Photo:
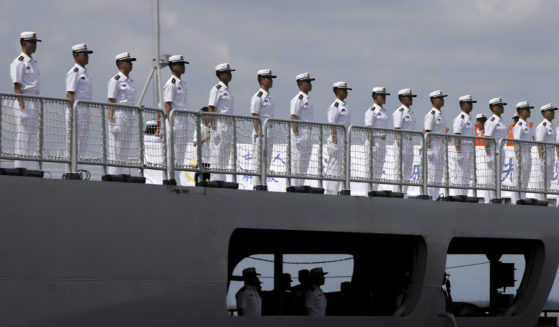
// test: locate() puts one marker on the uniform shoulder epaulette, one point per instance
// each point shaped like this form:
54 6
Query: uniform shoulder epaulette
372 108
76 69
20 58
432 112
117 77
218 86
173 81
462 116
300 97
492 119
336 104
519 123
402 109
259 94
544 123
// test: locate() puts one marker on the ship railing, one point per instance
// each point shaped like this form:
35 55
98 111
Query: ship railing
35 130
299 151
528 167
205 142
118 137
379 156
460 163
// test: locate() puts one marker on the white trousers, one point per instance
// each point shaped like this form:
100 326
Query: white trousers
435 166
378 158
544 165
301 150
119 144
462 172
334 167
406 161
27 133
221 149
179 146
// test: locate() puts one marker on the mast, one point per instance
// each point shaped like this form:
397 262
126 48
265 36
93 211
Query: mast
158 57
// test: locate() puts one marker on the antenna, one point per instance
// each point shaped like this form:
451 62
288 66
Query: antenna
158 62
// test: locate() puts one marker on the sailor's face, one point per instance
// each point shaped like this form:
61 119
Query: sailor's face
380 99
407 101
341 94
267 81
30 46
82 59
438 102
179 68
226 77
549 114
467 107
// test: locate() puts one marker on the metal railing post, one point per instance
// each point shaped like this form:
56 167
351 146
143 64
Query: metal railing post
288 145
199 150
263 151
41 133
544 170
370 162
519 167
171 146
424 164
447 172
347 158
320 154
141 138
474 165
400 164
234 145
164 150
104 137
497 166
74 138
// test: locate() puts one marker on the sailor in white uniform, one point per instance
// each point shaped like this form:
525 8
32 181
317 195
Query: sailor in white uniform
404 119
25 76
338 113
121 90
433 122
377 117
221 102
79 88
301 110
262 106
523 131
175 96
249 302
545 132
495 128
465 148
315 300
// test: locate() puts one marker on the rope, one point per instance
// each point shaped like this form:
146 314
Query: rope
468 265
303 263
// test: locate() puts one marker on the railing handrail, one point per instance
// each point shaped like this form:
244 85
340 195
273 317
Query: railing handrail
32 96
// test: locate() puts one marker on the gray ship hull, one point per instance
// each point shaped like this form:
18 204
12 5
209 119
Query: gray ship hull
78 253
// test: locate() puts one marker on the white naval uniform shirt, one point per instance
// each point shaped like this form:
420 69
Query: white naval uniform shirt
315 301
403 118
175 92
434 121
495 128
376 117
463 125
249 300
122 89
25 71
261 104
302 107
78 81
221 99
522 131
338 113
545 132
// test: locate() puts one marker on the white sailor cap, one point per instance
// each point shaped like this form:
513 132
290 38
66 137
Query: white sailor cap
304 77
177 59
437 94
481 116
225 67
523 105
341 85
81 48
466 98
547 107
265 73
125 56
29 36
380 90
497 101
406 92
